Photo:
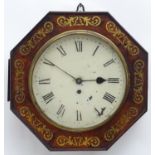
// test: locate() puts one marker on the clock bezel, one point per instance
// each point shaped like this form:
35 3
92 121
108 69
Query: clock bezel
46 45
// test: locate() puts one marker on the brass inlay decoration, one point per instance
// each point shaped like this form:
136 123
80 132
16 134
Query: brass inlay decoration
77 141
138 81
19 81
122 38
26 48
35 123
120 124
78 21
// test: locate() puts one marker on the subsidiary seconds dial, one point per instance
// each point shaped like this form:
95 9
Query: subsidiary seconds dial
78 80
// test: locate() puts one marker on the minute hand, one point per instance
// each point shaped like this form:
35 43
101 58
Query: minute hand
52 64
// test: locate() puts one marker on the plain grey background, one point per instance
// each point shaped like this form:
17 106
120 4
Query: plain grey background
22 16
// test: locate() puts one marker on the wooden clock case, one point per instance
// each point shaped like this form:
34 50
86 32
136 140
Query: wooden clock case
131 110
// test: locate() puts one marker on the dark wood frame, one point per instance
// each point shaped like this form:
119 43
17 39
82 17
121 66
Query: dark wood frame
131 110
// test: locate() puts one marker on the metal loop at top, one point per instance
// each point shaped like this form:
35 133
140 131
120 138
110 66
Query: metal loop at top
80 8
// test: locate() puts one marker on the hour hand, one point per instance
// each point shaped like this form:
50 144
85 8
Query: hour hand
98 80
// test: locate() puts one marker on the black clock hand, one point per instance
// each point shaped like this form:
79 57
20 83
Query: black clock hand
98 80
52 64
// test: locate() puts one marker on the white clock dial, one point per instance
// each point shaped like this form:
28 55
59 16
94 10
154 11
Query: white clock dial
79 81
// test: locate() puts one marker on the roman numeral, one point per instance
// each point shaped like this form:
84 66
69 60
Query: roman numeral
113 80
108 63
95 50
47 62
78 45
110 98
61 110
78 116
61 50
48 97
44 81
100 113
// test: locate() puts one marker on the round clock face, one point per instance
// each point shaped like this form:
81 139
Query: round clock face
79 80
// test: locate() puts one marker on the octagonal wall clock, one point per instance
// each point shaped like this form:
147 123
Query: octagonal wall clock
78 80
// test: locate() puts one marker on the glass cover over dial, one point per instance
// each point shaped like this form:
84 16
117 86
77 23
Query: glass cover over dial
79 80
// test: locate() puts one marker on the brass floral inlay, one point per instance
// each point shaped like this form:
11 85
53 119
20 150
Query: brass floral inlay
138 81
122 38
37 37
78 21
77 141
19 81
35 123
111 133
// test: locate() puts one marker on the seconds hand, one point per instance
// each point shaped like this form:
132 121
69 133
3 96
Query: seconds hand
52 64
